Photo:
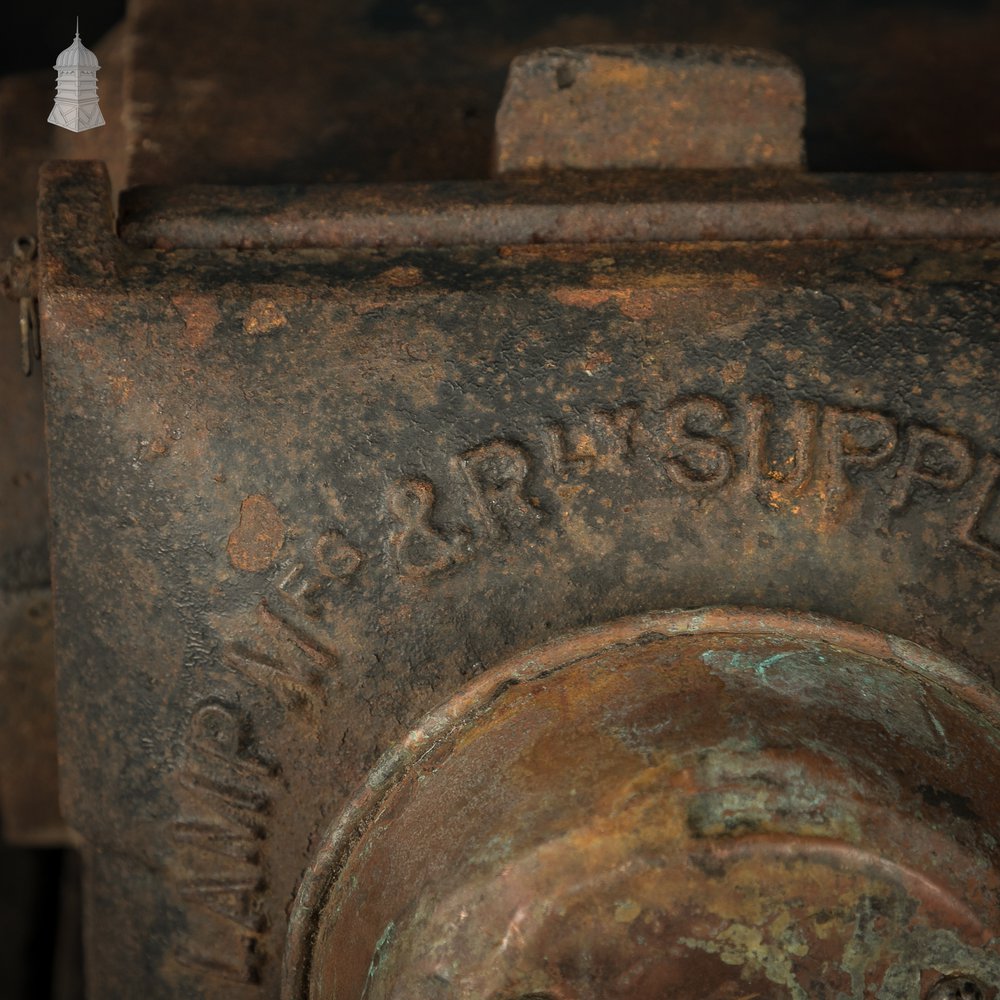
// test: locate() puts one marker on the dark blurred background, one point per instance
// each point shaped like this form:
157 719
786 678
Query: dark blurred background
35 33
408 87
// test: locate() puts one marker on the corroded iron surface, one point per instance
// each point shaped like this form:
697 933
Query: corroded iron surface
711 805
569 208
664 107
302 495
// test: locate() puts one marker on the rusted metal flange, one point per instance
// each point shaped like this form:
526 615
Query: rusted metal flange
716 804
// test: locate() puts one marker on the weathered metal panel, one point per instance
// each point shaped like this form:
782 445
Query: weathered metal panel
300 496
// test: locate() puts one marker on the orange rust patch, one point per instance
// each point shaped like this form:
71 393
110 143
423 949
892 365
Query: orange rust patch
638 303
596 360
402 277
633 303
368 303
585 298
733 371
263 316
158 448
891 273
121 387
258 537
201 316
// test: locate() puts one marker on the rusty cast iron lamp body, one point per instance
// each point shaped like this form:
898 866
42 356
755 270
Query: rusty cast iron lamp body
323 458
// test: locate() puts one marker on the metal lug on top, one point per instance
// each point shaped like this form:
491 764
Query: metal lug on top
659 107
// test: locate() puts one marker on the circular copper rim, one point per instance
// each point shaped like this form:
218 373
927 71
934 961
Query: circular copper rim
461 711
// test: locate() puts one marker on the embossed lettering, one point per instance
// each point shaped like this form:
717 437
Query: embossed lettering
235 838
287 659
237 962
981 530
790 470
418 545
605 438
301 586
803 448
336 557
303 582
224 789
933 458
232 896
852 439
617 427
497 473
697 458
